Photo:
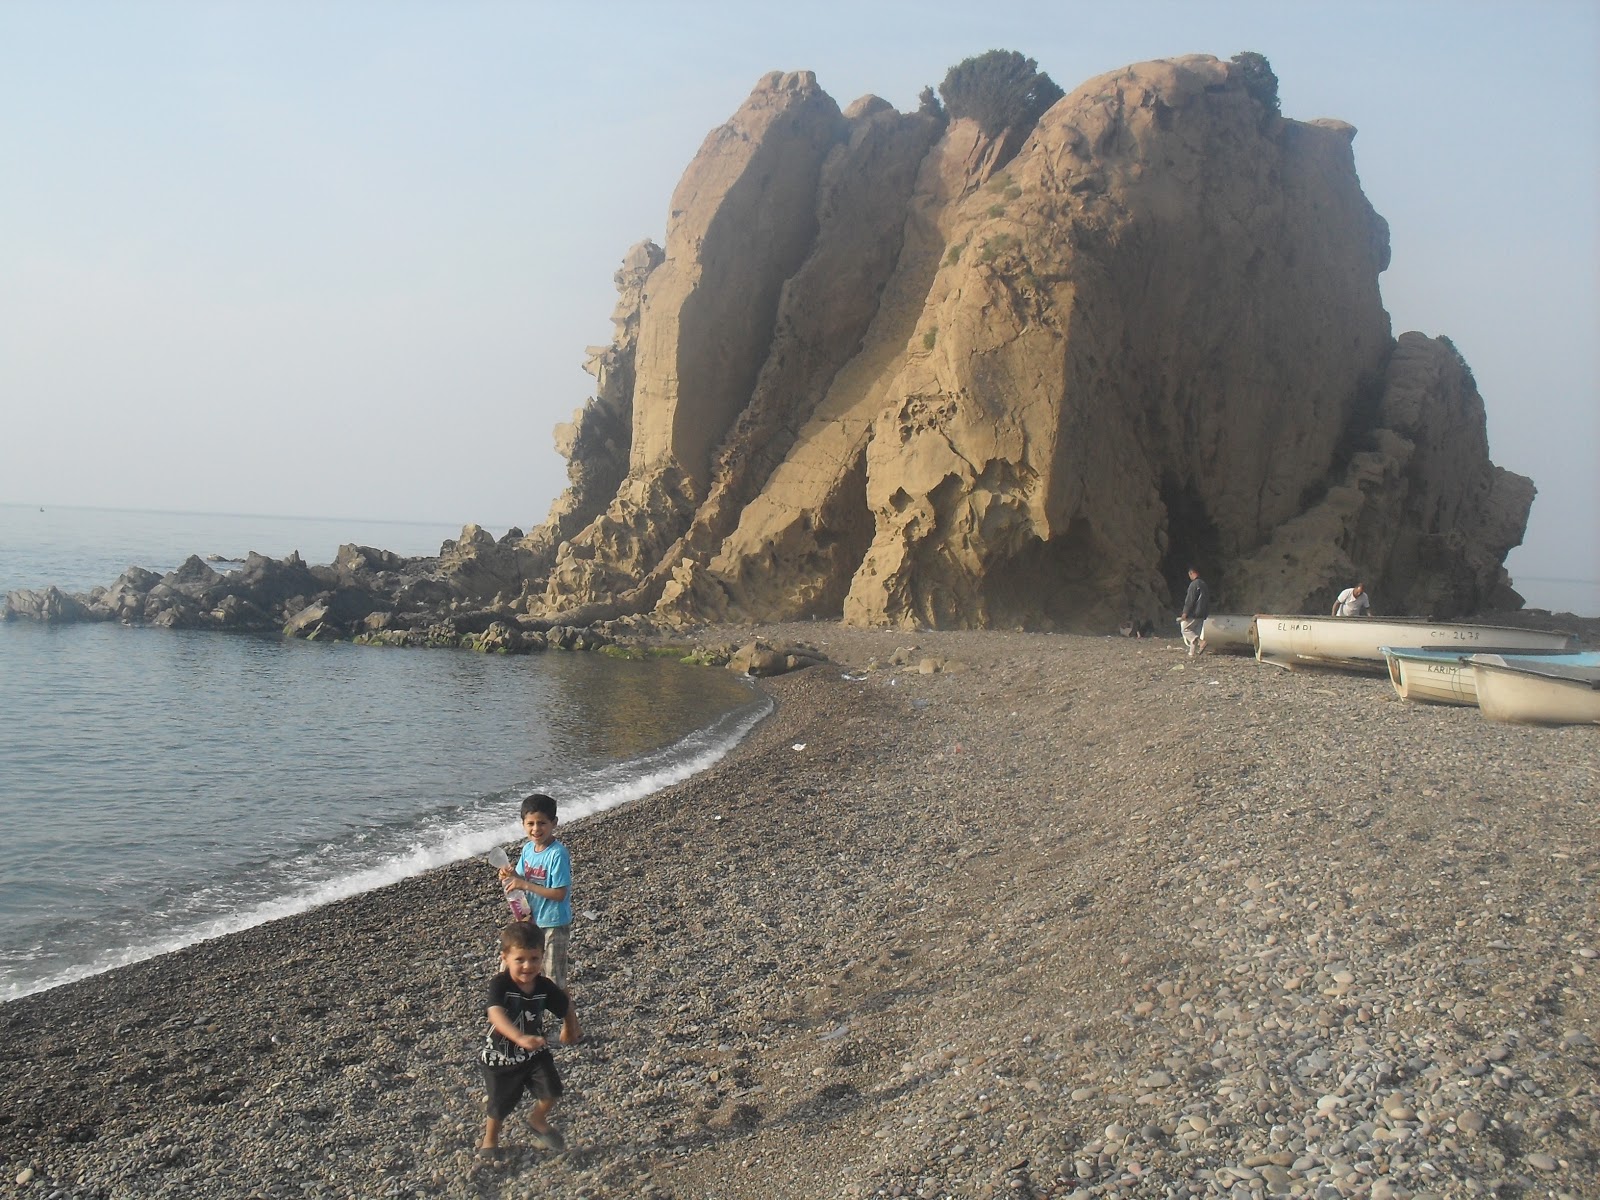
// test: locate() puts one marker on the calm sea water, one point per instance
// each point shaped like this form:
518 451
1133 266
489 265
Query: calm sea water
158 787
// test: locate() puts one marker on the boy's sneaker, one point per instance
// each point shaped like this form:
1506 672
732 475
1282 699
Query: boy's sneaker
549 1139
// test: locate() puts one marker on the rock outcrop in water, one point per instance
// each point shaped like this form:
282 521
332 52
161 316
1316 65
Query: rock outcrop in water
365 595
891 369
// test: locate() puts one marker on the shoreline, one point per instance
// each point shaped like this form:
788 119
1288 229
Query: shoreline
236 825
1074 915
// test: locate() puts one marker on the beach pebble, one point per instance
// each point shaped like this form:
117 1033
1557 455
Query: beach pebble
1170 956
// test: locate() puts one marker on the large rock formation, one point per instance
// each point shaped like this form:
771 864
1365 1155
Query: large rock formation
895 369
885 372
890 369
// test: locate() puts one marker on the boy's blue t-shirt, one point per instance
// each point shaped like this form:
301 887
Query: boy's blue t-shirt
551 868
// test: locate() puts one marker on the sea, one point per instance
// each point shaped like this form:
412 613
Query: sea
160 787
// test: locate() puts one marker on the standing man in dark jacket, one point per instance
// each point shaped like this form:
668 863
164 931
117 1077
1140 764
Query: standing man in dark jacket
1196 606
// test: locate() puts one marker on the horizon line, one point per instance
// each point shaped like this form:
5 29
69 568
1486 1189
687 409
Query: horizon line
196 512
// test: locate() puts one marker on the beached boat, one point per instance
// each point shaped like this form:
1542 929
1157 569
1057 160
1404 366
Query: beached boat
1530 692
1444 676
1356 642
1229 635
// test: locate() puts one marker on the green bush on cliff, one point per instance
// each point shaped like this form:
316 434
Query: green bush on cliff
999 89
993 248
1259 80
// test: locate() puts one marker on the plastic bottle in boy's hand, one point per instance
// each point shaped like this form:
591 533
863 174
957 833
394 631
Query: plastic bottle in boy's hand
517 901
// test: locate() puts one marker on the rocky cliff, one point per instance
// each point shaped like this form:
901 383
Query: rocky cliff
895 369
890 369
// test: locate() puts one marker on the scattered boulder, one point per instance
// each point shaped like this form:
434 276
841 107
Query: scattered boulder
235 612
476 566
307 622
125 599
497 638
50 605
759 659
193 577
272 583
362 562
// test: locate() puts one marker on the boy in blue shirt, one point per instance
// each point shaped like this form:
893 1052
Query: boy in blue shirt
544 872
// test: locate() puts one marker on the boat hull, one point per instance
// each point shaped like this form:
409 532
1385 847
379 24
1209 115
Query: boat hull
1445 676
1526 693
1436 678
1356 643
1230 634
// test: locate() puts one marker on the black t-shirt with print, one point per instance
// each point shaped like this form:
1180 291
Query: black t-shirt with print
526 1010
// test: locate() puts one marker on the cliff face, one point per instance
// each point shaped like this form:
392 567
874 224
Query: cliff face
888 370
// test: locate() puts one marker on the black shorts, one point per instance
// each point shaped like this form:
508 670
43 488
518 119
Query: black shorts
505 1085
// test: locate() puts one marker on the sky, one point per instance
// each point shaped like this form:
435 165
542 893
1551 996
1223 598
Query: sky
345 258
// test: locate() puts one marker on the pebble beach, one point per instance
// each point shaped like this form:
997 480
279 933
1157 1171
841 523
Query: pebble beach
972 914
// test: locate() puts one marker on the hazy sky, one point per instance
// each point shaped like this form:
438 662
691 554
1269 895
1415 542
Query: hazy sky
344 258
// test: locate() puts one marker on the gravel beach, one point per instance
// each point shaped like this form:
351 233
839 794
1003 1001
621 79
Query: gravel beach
971 914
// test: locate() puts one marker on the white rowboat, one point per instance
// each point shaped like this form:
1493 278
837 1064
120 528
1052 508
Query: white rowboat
1435 676
1532 693
1357 642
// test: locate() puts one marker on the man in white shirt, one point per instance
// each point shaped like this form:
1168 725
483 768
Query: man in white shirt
1352 602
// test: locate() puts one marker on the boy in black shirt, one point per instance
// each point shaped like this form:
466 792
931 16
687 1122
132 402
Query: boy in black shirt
516 1055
